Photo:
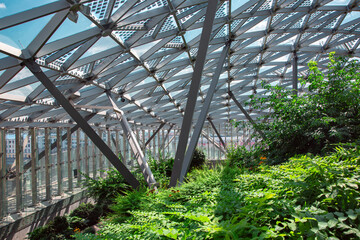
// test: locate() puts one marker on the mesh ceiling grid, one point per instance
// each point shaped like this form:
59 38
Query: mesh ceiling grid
145 52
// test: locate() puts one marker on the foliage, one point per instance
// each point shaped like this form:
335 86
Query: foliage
312 121
161 168
198 159
104 190
241 157
306 198
55 229
84 216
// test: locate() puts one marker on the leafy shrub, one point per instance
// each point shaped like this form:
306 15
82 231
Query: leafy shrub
105 190
55 229
91 213
161 168
198 159
241 157
77 222
313 121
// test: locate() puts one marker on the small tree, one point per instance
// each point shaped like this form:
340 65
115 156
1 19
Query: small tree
312 122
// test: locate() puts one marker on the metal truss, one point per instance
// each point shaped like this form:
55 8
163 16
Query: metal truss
145 53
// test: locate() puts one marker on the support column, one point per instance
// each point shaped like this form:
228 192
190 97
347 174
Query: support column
47 165
124 148
19 161
34 159
69 161
208 143
117 147
295 74
154 145
193 92
94 155
101 165
78 159
143 141
75 115
86 155
158 145
3 195
204 111
59 159
109 144
165 137
174 143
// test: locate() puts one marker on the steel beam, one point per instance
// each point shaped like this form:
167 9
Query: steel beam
135 146
193 92
87 129
204 111
154 134
216 131
295 74
206 135
246 114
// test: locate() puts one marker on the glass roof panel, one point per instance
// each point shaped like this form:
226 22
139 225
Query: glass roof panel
69 27
10 7
21 36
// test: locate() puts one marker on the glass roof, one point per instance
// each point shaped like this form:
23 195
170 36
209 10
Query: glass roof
145 52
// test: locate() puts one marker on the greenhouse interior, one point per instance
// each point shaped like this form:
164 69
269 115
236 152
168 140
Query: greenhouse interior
179 119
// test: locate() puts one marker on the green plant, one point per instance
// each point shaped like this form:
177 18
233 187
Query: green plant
105 190
89 212
311 122
198 159
308 197
241 157
55 229
161 168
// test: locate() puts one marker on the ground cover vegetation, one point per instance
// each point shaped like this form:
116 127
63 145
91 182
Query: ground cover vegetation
105 192
302 182
308 197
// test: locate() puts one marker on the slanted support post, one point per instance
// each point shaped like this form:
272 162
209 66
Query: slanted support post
135 146
295 74
210 140
154 134
246 114
216 131
75 115
193 92
204 111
